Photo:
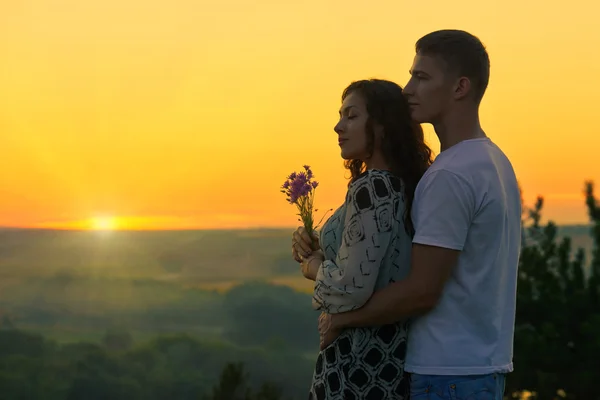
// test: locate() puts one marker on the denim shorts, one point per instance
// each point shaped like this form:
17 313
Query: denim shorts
457 387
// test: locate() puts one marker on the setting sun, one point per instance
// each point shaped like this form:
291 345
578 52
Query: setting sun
104 223
149 111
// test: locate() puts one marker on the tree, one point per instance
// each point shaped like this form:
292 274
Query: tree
259 314
233 385
117 340
6 322
557 329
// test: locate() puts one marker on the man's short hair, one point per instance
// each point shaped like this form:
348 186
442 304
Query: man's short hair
463 54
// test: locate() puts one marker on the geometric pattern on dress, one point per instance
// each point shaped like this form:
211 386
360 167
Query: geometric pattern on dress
363 364
365 247
346 283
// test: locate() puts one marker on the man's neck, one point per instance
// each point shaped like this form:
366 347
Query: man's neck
457 127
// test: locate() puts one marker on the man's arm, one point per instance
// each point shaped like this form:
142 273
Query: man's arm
417 294
442 213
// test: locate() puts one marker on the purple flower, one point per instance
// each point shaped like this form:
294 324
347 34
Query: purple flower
309 173
299 189
299 185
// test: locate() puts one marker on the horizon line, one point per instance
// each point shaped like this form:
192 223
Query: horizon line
157 230
34 228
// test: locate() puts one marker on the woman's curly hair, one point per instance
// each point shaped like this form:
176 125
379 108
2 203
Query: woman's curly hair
403 144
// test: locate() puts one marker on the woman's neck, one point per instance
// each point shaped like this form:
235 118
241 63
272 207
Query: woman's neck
376 162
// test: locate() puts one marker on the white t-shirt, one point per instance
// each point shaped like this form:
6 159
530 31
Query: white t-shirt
469 200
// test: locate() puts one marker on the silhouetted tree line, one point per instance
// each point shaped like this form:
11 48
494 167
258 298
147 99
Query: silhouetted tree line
168 367
557 339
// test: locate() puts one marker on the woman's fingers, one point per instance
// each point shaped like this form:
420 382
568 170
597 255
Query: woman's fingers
301 243
296 255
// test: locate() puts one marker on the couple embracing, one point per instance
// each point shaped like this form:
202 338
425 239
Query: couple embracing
416 272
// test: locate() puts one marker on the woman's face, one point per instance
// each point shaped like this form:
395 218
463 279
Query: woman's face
351 128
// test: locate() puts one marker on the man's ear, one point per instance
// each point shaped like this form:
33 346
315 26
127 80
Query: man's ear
462 88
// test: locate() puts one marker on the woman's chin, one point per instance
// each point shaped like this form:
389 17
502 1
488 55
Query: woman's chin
347 155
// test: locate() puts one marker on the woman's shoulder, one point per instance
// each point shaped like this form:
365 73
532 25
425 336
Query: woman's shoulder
373 186
377 180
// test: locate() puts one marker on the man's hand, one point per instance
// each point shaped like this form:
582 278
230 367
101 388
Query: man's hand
328 332
310 265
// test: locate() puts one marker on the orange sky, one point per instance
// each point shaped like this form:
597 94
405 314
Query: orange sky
189 114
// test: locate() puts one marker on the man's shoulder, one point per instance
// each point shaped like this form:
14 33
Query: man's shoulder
472 161
444 173
455 163
443 185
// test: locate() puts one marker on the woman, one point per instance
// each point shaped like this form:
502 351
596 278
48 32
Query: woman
366 243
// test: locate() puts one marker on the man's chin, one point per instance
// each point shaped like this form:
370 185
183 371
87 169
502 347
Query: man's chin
418 118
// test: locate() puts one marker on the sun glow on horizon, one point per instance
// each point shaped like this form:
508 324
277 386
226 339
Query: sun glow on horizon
119 116
103 223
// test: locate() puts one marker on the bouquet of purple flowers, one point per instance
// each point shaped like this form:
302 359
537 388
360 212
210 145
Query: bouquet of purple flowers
300 190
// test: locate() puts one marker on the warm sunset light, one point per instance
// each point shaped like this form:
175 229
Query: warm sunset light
191 114
104 224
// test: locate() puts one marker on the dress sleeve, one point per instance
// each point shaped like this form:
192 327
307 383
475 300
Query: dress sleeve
348 282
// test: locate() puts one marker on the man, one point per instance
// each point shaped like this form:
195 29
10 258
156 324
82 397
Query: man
461 291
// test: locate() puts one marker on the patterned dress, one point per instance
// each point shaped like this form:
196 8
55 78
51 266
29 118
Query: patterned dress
366 247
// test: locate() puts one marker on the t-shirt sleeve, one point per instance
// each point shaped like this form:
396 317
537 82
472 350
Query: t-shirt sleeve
348 282
443 209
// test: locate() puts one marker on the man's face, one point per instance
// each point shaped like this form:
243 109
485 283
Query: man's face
429 90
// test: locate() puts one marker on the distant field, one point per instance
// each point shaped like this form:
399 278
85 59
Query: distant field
195 258
209 260
206 259
238 289
298 283
74 285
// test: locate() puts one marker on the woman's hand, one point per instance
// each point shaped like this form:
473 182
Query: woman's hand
303 244
310 266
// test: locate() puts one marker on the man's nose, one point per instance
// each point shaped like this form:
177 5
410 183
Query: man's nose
409 88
